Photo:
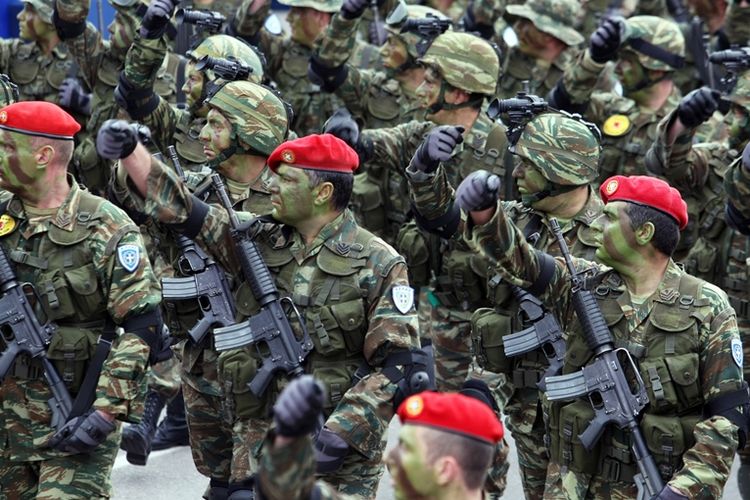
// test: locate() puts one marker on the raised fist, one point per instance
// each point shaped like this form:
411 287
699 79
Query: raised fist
698 106
352 9
606 40
298 407
74 97
157 17
117 138
479 190
342 125
436 147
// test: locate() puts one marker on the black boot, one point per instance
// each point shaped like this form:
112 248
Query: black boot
136 439
173 430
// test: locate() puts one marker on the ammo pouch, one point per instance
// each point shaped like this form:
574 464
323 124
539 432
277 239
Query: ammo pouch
336 376
701 260
567 421
672 383
413 244
70 350
236 368
462 280
487 331
367 203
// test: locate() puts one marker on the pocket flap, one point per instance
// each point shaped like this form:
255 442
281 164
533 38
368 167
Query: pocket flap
69 344
683 368
83 280
349 315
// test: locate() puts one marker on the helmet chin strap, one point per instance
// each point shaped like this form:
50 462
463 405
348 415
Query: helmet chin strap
440 103
550 189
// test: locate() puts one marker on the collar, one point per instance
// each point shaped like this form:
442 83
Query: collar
591 210
335 231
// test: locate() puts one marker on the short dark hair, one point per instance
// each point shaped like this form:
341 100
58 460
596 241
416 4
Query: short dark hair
343 183
666 229
473 456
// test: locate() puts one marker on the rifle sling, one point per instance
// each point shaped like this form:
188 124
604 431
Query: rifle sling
87 391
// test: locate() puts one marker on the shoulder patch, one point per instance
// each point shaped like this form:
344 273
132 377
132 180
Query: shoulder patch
7 224
129 257
616 125
737 354
403 298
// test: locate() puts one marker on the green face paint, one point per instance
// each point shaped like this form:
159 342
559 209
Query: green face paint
193 87
529 178
19 171
291 195
216 134
616 241
629 71
413 477
393 52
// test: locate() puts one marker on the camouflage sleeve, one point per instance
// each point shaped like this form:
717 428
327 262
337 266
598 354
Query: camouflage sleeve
737 186
487 11
431 194
354 89
707 464
361 418
394 147
87 49
581 77
249 23
143 61
7 49
334 47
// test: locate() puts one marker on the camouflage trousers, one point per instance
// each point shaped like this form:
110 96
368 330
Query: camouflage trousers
744 327
359 476
75 476
527 427
569 485
164 378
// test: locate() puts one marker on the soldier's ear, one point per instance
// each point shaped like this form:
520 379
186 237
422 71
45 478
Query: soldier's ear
325 193
645 233
44 155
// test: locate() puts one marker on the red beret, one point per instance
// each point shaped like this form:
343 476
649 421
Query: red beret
648 191
318 152
40 118
452 412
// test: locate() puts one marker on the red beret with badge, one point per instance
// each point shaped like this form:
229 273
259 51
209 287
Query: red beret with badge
39 118
452 412
316 152
647 191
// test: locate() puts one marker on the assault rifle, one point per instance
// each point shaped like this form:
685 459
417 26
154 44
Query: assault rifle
520 109
227 69
735 60
22 333
617 395
544 333
427 29
207 20
269 331
203 280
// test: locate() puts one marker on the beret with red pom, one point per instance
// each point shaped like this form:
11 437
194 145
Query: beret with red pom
39 118
452 412
648 191
317 152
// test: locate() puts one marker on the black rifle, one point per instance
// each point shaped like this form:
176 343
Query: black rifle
22 333
519 109
544 333
678 11
427 29
204 280
617 396
227 69
735 60
207 20
269 331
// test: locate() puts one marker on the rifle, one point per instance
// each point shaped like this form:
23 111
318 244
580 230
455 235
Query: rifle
22 333
544 333
427 29
207 20
734 60
204 280
227 69
269 331
614 398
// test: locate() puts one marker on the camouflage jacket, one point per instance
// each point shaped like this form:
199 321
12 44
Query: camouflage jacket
541 75
737 186
707 446
37 75
627 129
373 96
362 412
75 261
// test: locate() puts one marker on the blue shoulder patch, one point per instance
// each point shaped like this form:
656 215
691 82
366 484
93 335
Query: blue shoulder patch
129 257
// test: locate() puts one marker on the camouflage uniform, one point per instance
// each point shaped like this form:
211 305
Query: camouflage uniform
71 257
628 129
8 91
682 337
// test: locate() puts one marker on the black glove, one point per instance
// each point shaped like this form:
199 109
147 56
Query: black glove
352 9
698 106
73 97
606 40
437 147
157 17
298 407
82 434
342 125
478 190
117 138
479 390
668 493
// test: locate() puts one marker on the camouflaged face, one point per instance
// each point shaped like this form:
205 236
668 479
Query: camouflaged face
465 61
563 148
663 33
258 117
554 17
43 7
319 5
400 14
225 46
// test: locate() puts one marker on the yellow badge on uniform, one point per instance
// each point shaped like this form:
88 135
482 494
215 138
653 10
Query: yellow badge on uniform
616 125
7 224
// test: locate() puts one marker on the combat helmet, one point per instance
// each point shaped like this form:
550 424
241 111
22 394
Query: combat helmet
44 8
554 17
401 13
658 42
8 91
465 61
260 119
330 6
225 47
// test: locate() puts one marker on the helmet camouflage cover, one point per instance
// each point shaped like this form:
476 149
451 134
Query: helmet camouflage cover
43 7
225 46
658 42
554 17
563 147
465 61
403 12
319 5
8 91
258 117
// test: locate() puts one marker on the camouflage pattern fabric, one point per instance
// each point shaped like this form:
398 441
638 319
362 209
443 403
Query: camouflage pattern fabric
518 67
592 11
164 378
465 61
737 185
329 6
703 467
8 91
37 75
555 18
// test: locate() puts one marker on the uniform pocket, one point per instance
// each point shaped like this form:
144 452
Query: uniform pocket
574 419
350 317
487 331
236 369
69 350
85 287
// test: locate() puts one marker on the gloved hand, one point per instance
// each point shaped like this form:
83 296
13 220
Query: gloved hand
342 125
479 190
479 390
298 407
157 17
437 147
72 96
377 33
606 40
698 106
668 493
117 139
82 434
352 9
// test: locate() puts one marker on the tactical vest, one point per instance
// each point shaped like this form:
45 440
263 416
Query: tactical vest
188 146
624 153
670 367
38 76
59 265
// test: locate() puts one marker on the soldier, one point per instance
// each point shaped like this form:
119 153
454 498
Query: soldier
648 50
37 62
87 263
559 159
737 185
444 449
680 330
8 91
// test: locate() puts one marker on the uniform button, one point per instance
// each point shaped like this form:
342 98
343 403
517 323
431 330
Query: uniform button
351 321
